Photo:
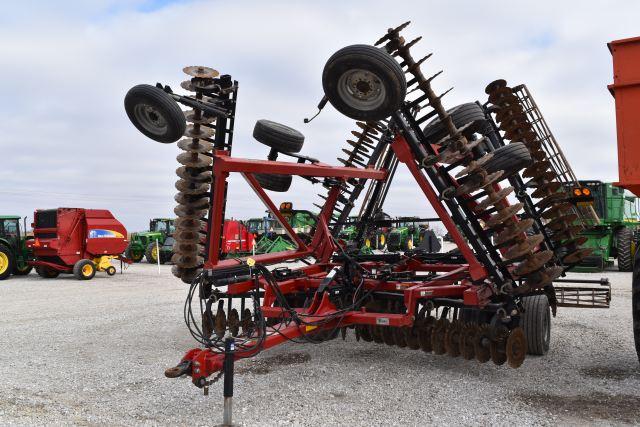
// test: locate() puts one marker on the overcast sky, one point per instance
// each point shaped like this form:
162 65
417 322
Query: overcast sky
65 67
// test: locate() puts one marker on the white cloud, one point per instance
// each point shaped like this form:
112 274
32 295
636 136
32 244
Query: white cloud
64 70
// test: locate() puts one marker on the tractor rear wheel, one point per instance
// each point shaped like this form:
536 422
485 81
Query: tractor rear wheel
635 302
280 137
510 159
46 272
364 82
132 255
151 254
625 247
279 183
154 113
536 322
84 269
7 262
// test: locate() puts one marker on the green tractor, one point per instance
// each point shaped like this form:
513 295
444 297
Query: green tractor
303 222
143 244
614 237
14 254
408 233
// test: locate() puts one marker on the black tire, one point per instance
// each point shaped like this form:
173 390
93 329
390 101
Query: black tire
148 254
111 270
536 322
635 302
625 248
278 136
461 115
279 183
7 262
46 272
510 159
84 269
22 272
355 72
154 113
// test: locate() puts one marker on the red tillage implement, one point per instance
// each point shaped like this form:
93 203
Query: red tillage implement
489 300
76 240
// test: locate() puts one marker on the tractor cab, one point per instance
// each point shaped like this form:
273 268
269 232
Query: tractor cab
145 244
302 221
13 250
162 225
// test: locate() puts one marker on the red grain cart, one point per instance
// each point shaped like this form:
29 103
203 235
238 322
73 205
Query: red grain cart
76 241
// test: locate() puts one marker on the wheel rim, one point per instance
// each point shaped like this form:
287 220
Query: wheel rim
87 270
150 118
154 253
4 262
367 243
382 240
361 89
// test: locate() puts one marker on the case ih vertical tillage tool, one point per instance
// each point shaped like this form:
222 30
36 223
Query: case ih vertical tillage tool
490 302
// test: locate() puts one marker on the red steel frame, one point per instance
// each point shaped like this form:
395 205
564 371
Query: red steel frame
454 280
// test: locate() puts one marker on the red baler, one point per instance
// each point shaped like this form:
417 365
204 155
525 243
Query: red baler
236 237
76 240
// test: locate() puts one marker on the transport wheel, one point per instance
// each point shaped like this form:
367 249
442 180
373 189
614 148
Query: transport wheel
280 137
22 271
155 113
7 262
625 246
46 272
111 271
84 269
510 159
279 183
536 322
133 256
461 115
364 82
151 254
635 302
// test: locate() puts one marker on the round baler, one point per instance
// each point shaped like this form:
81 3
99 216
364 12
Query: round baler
76 241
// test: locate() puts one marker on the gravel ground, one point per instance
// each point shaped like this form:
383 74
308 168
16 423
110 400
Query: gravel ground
94 352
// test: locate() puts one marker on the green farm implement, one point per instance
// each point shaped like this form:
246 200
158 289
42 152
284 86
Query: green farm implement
13 250
614 236
143 244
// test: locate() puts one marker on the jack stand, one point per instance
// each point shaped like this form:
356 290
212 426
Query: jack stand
229 347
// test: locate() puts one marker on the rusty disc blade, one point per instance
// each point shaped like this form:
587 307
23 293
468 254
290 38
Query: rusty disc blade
557 210
537 155
467 338
234 322
186 249
577 256
452 338
193 175
190 224
198 117
513 231
195 145
424 334
495 85
187 187
192 202
543 278
536 169
437 336
503 214
201 72
516 348
246 323
551 200
400 337
187 261
533 263
508 112
514 123
497 351
186 212
368 128
387 335
474 165
562 222
502 96
493 199
545 189
575 242
220 323
481 344
194 160
198 85
196 131
567 233
523 248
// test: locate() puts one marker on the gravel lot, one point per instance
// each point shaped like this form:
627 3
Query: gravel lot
94 352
